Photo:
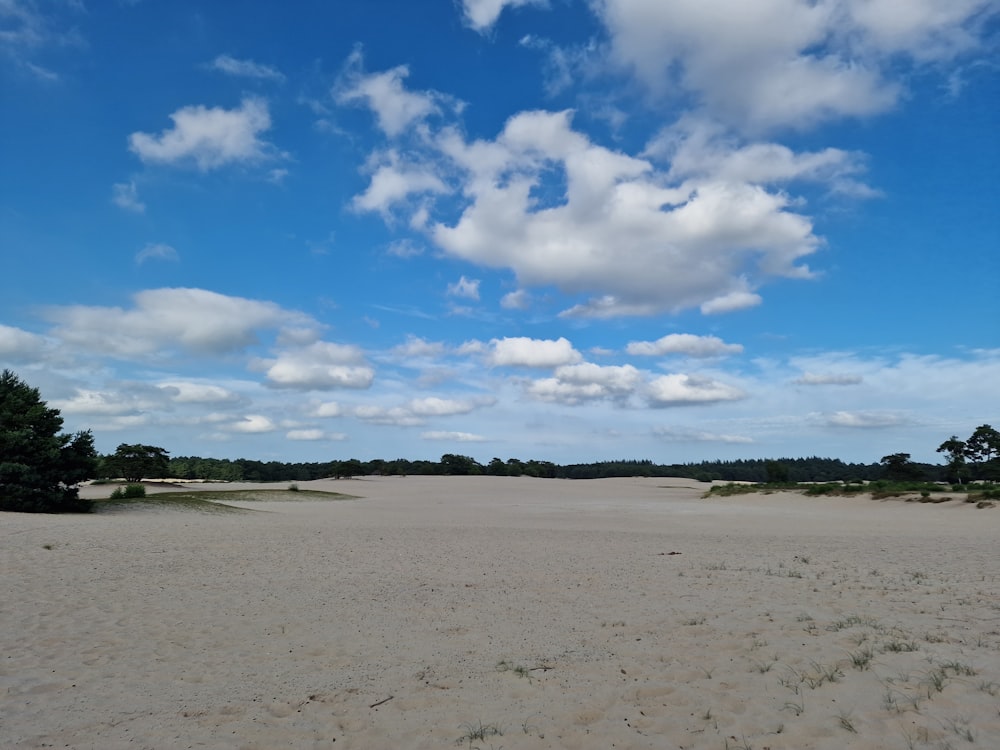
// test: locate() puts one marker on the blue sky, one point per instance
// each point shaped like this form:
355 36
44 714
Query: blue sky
565 230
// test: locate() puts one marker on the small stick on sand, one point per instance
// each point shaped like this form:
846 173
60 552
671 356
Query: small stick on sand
385 700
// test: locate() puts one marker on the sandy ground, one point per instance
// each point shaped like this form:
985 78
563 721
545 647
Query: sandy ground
442 612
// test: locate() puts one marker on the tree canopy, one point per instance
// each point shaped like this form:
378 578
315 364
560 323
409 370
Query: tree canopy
135 462
39 467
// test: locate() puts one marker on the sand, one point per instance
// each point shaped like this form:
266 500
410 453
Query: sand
625 613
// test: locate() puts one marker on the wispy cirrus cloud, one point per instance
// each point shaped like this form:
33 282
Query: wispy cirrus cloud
246 69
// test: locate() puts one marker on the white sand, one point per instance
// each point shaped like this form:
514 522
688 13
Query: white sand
380 622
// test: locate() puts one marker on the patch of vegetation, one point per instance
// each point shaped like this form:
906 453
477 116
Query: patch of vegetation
214 501
478 732
128 492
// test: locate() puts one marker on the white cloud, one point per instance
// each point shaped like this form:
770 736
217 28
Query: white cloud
309 434
457 437
209 137
619 233
395 108
786 63
865 419
482 14
467 288
126 195
163 320
810 378
685 344
253 424
417 411
700 149
328 409
418 348
320 366
731 302
702 219
679 389
432 406
393 181
575 384
156 251
18 345
683 435
246 68
119 402
528 352
186 392
395 416
517 300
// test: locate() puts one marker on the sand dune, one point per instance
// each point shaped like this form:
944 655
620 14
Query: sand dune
624 613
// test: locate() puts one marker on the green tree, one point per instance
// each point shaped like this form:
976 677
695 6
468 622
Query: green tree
135 462
777 473
954 449
982 449
452 463
898 466
39 468
497 468
352 467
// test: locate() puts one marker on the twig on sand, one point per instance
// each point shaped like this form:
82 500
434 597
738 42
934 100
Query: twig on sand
379 703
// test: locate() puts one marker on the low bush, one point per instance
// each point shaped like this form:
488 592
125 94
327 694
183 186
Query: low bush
129 492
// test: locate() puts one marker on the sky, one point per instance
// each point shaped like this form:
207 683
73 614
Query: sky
564 230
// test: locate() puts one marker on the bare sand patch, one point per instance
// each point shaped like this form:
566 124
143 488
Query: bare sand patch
624 613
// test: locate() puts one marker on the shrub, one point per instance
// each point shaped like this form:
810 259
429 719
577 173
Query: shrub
129 492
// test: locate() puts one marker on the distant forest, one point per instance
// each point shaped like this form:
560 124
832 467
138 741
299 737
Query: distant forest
751 470
974 459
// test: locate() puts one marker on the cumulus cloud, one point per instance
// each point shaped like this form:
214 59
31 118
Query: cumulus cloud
209 137
418 410
320 366
679 389
328 409
527 352
575 384
163 320
393 180
253 424
186 392
457 437
126 195
246 68
18 345
395 107
731 302
133 399
686 344
417 348
467 288
517 300
701 218
156 251
702 149
482 14
786 63
688 242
